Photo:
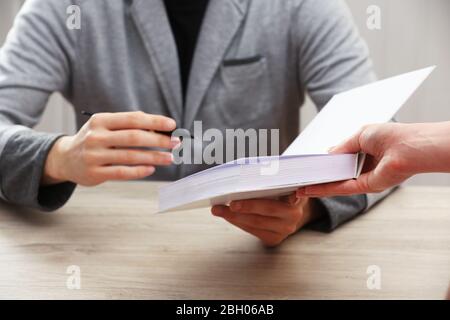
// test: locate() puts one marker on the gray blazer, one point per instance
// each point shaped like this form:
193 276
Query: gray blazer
124 58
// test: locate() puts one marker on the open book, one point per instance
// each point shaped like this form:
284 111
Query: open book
306 161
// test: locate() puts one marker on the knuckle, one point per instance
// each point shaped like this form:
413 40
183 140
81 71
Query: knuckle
90 173
120 173
155 121
162 141
140 172
369 131
245 206
394 164
365 135
133 137
133 118
156 158
371 127
127 157
88 157
96 120
92 138
93 178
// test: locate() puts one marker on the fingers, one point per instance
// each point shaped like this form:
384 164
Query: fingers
139 138
265 207
132 157
267 236
109 147
272 221
133 120
270 239
351 145
331 189
254 221
123 173
366 183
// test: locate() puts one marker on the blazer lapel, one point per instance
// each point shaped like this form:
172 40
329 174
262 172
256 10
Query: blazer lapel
151 19
222 21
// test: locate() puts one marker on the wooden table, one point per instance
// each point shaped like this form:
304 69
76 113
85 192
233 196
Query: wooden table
123 250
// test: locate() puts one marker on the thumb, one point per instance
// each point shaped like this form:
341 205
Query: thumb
351 145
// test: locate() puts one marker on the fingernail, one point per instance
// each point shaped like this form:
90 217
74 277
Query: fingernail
331 149
151 170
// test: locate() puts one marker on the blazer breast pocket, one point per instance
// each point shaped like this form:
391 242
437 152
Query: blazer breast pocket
244 91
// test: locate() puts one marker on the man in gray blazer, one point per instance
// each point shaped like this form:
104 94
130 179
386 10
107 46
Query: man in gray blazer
151 65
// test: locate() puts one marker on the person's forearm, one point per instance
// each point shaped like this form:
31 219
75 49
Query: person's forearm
21 166
429 147
441 152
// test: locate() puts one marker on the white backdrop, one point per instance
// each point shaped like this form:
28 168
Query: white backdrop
414 34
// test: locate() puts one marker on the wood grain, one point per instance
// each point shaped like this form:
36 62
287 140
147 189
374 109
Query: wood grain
126 251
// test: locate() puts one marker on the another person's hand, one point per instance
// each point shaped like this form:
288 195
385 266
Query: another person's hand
272 221
110 147
395 153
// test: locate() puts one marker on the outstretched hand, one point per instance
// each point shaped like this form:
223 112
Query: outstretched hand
395 152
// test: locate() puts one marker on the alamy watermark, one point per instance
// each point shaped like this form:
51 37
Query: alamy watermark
73 281
374 280
73 21
374 17
214 146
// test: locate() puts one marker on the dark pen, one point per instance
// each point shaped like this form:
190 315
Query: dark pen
166 133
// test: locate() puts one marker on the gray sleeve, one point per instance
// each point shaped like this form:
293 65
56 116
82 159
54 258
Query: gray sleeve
332 58
34 62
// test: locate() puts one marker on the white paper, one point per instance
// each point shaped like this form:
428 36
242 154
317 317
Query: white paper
348 112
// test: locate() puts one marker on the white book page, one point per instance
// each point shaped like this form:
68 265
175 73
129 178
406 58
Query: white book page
348 112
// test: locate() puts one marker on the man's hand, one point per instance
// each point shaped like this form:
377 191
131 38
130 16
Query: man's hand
395 153
106 148
272 221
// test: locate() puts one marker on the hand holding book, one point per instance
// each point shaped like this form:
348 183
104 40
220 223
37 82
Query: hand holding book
395 153
306 162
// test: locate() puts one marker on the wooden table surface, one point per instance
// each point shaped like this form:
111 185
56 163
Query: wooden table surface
125 251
